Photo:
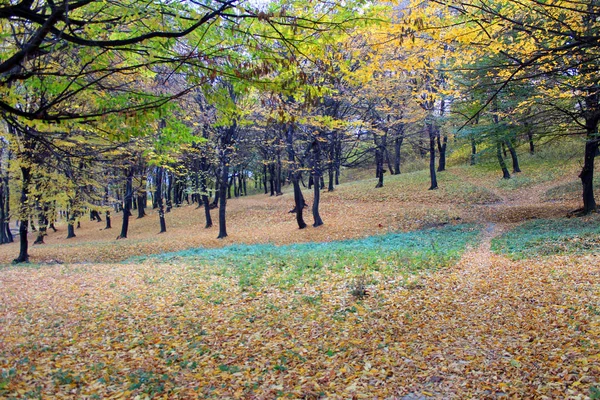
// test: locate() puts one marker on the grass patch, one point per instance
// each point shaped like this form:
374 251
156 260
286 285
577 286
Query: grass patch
259 265
549 237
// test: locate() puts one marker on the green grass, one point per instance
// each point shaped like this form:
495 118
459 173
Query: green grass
259 265
549 237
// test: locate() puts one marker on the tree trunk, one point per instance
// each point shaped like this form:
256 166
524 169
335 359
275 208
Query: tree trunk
505 173
442 145
473 151
531 144
513 155
378 167
265 180
127 208
24 216
397 148
204 188
141 199
169 178
432 174
317 190
159 199
223 200
298 197
587 174
3 237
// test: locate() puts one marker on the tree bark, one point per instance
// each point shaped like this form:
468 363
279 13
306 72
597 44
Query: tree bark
432 174
127 208
587 174
473 151
298 197
397 148
505 173
442 145
24 216
513 155
159 199
317 189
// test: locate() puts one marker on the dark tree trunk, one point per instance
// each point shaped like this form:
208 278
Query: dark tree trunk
24 216
42 223
378 167
397 148
531 144
278 175
317 177
3 237
587 174
159 199
127 208
473 151
311 182
505 173
432 174
6 221
71 221
203 188
265 178
513 155
169 190
227 139
442 145
223 201
299 202
108 225
141 200
272 178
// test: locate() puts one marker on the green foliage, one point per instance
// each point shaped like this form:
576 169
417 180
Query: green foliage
549 237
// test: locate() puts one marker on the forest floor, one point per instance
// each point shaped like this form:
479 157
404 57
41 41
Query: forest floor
495 295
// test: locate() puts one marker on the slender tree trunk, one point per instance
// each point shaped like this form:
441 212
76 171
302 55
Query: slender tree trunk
272 178
473 151
299 202
505 173
6 222
378 167
587 174
432 174
278 175
24 216
159 199
141 199
442 145
265 178
223 200
513 155
169 178
71 221
397 148
127 208
206 202
531 144
317 190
